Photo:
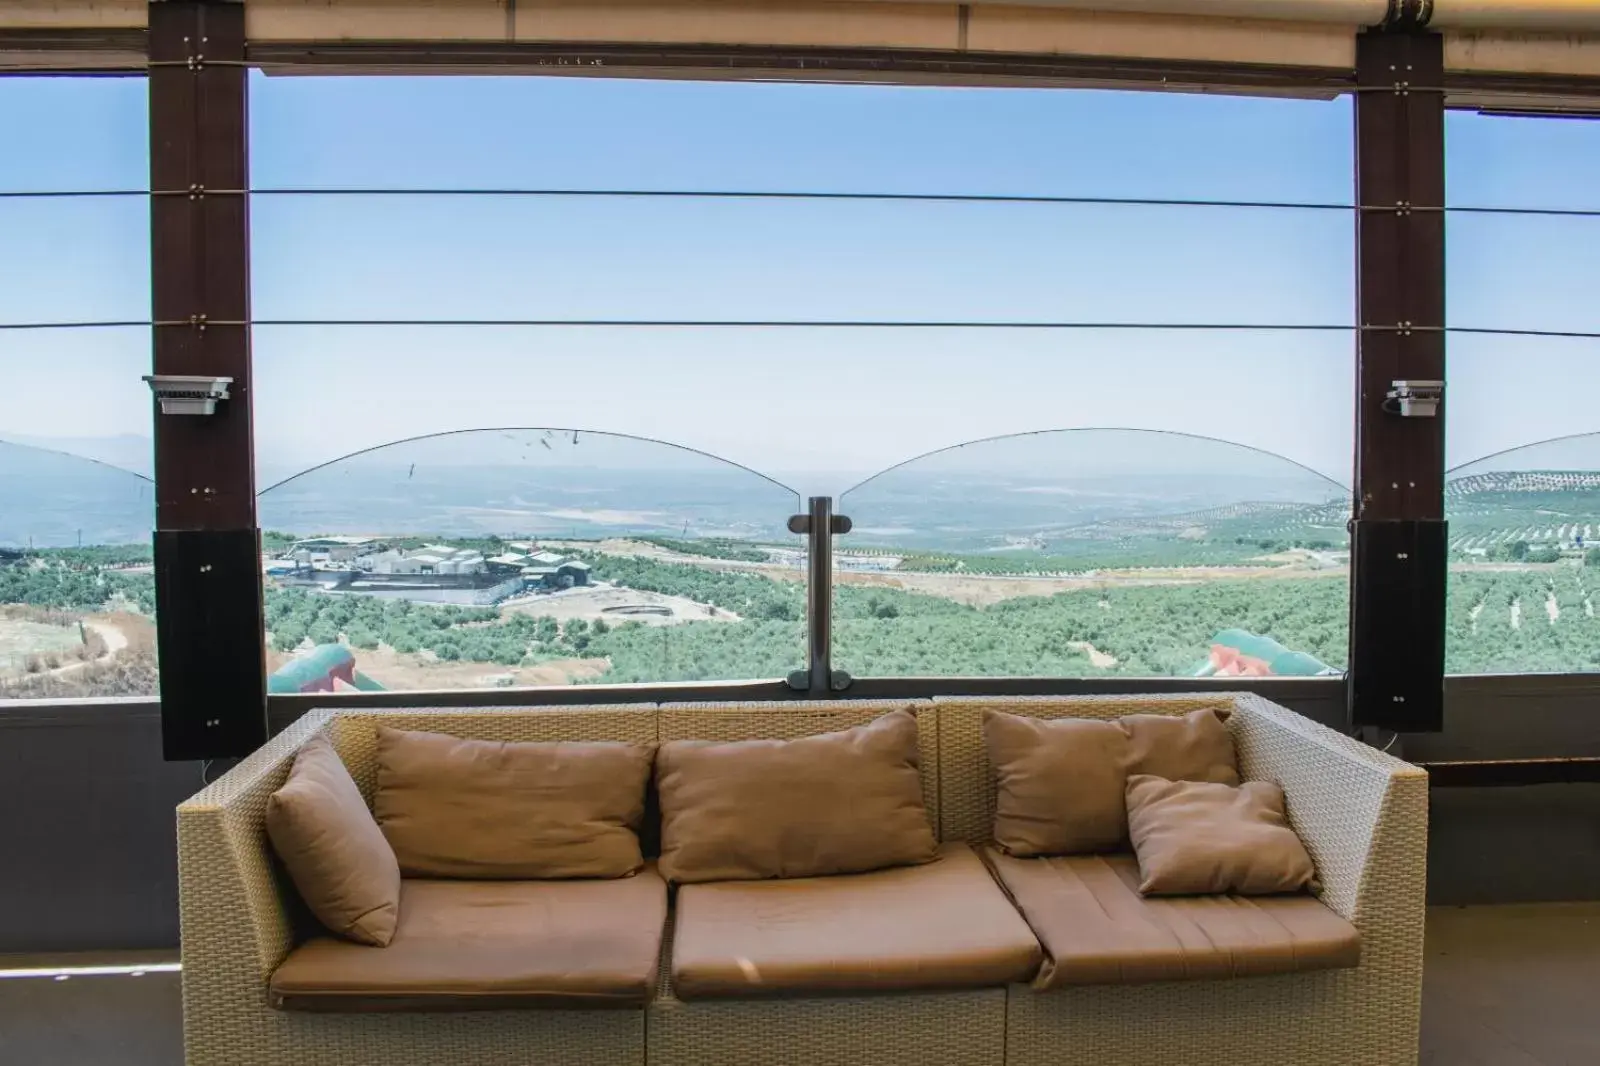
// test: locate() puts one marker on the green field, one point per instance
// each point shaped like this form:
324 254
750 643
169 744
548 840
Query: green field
1514 618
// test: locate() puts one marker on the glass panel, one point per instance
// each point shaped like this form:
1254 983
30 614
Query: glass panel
506 257
1524 272
510 557
1507 392
747 395
430 132
75 260
1523 499
820 408
1522 161
74 134
1525 560
77 595
1094 552
451 257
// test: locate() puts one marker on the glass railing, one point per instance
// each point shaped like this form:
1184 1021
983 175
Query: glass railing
77 591
1525 560
1093 552
517 557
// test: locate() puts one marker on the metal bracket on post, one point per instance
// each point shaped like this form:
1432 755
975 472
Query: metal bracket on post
819 526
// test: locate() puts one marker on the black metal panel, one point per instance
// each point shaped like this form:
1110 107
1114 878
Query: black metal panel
213 662
1397 601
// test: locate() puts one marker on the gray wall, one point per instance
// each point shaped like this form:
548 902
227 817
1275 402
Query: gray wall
87 830
1514 844
87 827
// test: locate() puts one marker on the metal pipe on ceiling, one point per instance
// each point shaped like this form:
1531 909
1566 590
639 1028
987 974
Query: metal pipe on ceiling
1515 16
1511 16
1341 12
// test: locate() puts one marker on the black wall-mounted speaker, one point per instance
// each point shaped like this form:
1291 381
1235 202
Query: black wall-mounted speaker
208 634
1397 625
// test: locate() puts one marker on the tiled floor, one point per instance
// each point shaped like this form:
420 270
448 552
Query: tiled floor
1506 986
1512 986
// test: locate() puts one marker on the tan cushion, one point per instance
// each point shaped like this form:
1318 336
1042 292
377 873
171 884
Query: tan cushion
1060 783
527 811
1097 929
941 925
1193 838
1191 747
492 945
835 803
338 859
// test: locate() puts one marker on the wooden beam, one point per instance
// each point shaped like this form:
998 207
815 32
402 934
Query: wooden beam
1398 538
1400 289
208 572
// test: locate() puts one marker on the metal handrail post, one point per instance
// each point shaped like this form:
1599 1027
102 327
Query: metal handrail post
819 526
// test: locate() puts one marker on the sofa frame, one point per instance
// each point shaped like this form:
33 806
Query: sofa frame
1361 814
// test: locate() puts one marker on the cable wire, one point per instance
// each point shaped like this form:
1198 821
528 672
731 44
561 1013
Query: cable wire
671 323
199 193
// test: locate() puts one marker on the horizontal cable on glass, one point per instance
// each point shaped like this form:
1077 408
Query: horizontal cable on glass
1494 331
201 322
68 194
146 324
200 193
691 194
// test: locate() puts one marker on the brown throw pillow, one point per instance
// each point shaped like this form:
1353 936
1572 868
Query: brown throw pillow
1192 747
837 803
1059 783
1197 838
338 859
523 811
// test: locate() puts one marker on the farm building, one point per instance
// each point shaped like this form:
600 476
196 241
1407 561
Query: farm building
431 559
334 549
567 574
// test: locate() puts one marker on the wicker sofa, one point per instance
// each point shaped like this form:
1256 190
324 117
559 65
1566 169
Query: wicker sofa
1362 815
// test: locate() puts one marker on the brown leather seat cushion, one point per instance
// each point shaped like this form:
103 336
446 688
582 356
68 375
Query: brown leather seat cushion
492 945
1097 929
942 925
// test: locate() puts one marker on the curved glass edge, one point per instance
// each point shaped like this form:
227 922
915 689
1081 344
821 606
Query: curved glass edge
513 557
1525 560
1094 552
77 588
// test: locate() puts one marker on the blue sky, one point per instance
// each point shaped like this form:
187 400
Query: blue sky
816 407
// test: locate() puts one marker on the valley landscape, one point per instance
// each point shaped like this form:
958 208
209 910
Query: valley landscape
691 574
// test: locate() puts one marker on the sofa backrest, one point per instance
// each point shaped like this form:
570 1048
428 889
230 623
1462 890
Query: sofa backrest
957 780
787 720
355 733
967 785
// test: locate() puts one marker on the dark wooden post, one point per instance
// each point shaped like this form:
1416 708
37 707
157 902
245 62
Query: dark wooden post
1398 553
208 573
